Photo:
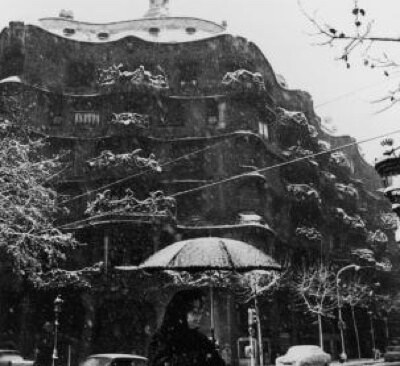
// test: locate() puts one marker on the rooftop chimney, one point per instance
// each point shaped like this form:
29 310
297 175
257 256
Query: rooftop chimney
67 14
157 9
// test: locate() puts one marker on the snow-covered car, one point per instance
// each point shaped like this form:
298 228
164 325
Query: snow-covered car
392 354
114 359
304 356
10 357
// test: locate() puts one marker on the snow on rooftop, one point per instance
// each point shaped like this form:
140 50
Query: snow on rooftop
162 29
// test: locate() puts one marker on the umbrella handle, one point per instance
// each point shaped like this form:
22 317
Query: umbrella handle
212 315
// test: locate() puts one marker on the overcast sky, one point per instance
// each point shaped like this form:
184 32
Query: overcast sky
282 32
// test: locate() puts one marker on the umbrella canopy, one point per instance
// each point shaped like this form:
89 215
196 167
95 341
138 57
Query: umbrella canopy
205 255
210 253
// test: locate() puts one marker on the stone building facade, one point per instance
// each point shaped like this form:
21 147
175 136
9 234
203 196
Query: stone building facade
204 119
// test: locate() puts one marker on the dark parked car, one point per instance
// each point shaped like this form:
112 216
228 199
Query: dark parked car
304 356
392 354
114 359
11 357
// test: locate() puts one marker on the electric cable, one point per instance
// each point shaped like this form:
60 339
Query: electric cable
226 180
200 150
354 92
235 177
125 179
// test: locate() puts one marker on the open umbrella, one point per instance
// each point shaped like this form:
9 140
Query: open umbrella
208 254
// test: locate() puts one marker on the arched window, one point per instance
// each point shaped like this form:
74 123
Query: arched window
212 112
188 74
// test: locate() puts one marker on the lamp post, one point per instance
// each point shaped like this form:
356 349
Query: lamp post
57 310
342 355
371 319
252 320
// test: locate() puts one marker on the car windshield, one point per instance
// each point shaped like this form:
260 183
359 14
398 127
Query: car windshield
106 361
128 362
8 352
12 358
96 361
303 349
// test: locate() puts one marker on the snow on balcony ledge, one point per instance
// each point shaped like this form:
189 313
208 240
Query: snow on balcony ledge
394 190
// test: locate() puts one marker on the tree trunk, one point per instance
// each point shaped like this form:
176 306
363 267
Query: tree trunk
321 336
86 341
353 315
385 320
25 341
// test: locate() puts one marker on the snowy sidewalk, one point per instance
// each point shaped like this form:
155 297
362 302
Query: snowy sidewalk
357 362
364 361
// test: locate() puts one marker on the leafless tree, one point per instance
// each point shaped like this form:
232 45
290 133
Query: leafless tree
385 303
316 287
355 292
361 37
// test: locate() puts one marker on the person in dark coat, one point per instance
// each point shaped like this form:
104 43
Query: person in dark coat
178 342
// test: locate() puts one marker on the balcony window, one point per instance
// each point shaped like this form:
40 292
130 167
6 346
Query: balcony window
56 109
212 112
263 129
188 74
87 118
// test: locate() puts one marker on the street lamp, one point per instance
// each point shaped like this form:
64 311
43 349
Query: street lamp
252 320
57 310
371 319
343 355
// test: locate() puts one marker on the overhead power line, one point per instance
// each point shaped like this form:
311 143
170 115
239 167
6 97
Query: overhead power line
226 180
125 179
235 177
354 92
340 97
